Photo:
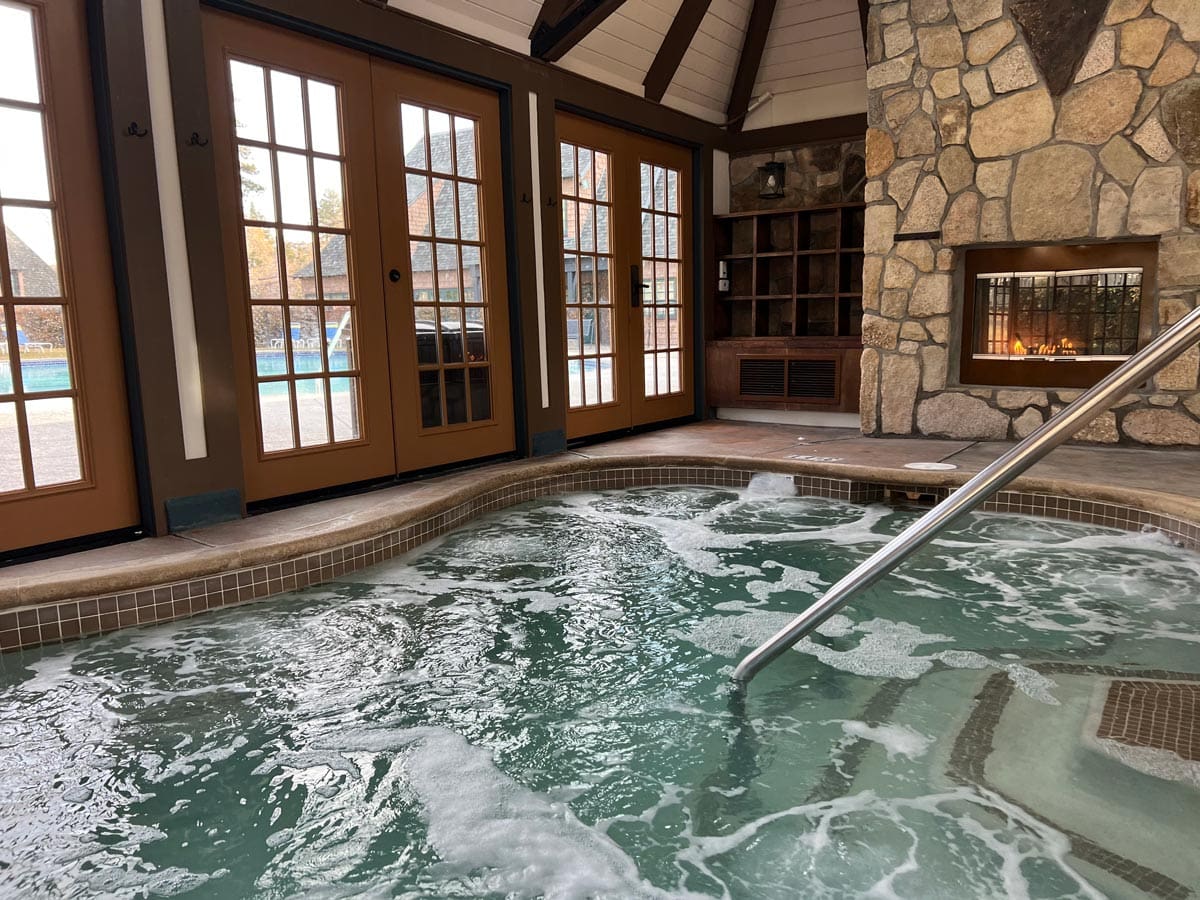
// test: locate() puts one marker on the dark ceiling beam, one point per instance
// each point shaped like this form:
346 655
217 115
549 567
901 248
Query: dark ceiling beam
779 137
670 54
748 63
551 42
550 15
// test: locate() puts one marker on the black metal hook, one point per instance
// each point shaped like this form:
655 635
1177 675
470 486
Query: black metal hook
196 141
134 131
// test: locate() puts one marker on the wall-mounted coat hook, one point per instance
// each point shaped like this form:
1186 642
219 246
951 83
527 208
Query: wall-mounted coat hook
525 198
196 141
134 131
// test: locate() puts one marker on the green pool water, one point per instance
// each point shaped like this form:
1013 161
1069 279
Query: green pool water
538 705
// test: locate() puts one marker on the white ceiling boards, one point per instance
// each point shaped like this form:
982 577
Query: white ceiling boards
812 63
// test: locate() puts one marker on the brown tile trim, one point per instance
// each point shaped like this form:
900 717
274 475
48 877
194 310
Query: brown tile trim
1162 715
1049 506
974 744
32 626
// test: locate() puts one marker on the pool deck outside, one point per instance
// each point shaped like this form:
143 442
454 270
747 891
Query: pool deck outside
1164 481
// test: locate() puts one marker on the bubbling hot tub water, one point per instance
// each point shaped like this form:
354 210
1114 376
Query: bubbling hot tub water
538 705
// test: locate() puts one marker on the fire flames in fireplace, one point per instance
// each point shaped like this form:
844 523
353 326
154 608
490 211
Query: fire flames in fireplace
1062 347
1068 315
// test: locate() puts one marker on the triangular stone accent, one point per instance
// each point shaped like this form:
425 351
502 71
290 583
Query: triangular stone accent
1059 34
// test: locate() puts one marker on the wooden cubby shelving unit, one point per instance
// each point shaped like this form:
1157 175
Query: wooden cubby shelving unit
794 293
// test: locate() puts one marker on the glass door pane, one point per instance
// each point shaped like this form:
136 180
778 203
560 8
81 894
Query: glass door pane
587 273
39 385
662 262
441 206
296 240
66 456
293 136
447 250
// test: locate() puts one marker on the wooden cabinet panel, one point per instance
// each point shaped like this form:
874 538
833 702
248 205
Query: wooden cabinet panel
776 374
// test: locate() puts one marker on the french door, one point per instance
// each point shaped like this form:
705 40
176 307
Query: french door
443 247
626 277
66 466
364 252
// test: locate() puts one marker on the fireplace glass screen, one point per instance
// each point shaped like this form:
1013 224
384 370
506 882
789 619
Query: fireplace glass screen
1088 314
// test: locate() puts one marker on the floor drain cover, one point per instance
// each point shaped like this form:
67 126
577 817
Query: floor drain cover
931 467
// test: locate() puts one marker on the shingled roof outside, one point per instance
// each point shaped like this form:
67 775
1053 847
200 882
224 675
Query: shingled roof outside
333 255
35 276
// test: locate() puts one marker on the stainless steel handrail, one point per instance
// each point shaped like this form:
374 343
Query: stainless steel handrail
1135 371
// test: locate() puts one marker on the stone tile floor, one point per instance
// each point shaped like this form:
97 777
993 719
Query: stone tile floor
1170 470
834 451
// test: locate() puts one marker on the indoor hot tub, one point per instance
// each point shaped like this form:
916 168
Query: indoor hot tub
539 705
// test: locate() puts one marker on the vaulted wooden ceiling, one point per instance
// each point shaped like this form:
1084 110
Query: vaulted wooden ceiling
710 58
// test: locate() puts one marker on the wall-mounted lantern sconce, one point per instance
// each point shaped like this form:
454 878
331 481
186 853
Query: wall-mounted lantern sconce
770 180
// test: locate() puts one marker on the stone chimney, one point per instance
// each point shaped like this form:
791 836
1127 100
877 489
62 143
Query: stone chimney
1023 122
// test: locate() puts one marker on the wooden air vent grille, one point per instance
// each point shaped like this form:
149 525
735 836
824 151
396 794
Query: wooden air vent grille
813 379
762 378
789 379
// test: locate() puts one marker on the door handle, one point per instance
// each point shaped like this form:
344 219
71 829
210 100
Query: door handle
636 286
394 276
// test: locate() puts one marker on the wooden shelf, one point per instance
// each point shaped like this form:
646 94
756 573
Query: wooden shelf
794 273
789 343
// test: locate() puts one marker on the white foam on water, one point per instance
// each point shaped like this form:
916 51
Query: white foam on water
547 602
1031 683
113 881
896 740
1165 764
828 848
792 579
769 484
51 671
201 760
731 635
506 838
697 540
885 649
1162 630
672 795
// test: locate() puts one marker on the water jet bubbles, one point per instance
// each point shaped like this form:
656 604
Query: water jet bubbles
539 704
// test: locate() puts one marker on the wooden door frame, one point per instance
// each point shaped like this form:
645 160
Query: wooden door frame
417 448
390 34
106 498
628 148
574 129
665 408
326 465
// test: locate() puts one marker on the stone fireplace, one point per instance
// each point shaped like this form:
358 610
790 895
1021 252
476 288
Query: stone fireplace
1061 133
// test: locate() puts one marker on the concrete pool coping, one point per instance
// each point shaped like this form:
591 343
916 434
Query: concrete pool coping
160 579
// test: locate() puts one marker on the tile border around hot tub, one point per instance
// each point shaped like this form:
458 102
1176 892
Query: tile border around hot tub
52 622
